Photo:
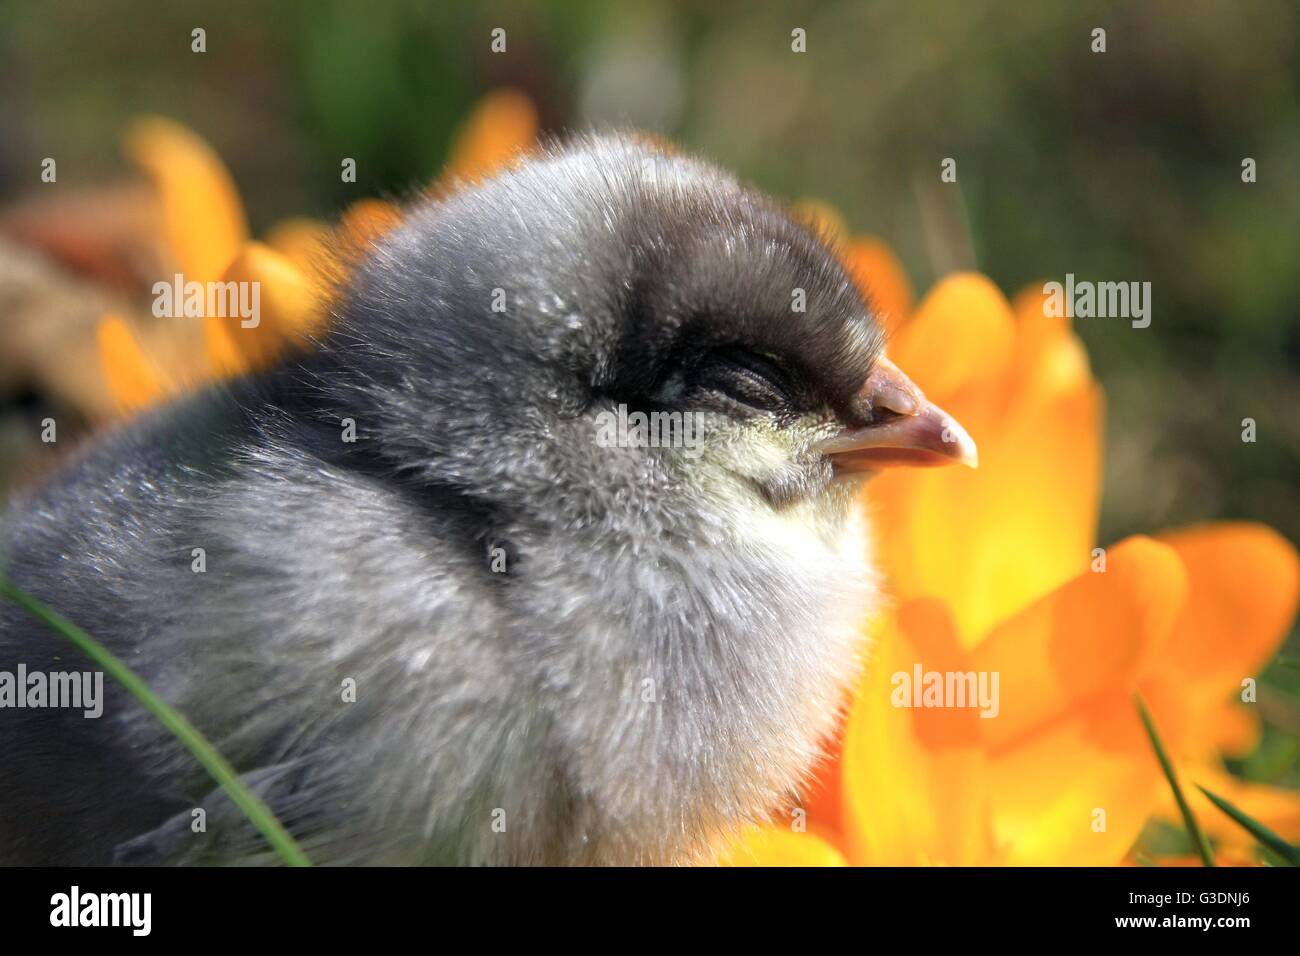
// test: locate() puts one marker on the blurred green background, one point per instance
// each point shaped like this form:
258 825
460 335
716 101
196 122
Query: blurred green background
1124 165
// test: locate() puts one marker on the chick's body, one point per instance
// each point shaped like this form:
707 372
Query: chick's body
562 652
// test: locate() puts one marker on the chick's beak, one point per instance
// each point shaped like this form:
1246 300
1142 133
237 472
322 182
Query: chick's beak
908 429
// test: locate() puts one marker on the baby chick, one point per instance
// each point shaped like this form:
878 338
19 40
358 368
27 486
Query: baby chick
438 619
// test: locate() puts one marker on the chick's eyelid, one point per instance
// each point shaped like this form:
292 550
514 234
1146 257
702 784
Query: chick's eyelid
743 372
769 365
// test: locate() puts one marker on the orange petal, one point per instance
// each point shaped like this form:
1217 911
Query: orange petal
304 242
134 380
1197 726
992 540
1049 359
203 218
823 795
1234 730
502 125
1093 636
880 277
1079 792
1072 774
1028 305
290 307
961 337
777 846
1245 579
225 360
915 789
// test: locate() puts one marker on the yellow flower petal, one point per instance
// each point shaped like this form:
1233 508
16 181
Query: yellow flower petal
991 541
134 380
961 337
304 242
1073 779
1049 359
1245 583
1079 792
502 125
225 360
203 219
290 307
1234 730
777 846
1028 307
1093 636
1065 773
915 779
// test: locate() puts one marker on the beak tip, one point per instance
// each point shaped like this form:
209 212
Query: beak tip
968 452
918 433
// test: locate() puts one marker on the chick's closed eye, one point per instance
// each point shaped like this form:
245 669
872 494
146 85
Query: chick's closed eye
752 380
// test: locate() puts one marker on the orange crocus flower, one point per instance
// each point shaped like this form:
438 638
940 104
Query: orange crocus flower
994 572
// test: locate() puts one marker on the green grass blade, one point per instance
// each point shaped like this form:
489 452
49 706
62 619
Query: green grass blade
1256 829
258 813
1189 820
